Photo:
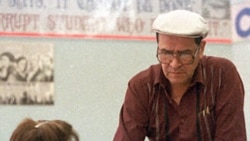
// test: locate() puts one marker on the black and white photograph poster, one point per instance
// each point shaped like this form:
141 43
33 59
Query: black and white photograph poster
26 73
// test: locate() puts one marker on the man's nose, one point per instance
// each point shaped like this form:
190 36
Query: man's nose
175 62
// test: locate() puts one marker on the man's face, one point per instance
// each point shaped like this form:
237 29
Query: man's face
177 72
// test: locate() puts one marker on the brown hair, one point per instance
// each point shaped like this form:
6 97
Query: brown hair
53 130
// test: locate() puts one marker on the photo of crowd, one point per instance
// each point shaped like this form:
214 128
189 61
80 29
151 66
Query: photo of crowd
26 73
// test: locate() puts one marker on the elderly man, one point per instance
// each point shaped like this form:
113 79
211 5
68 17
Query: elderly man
187 96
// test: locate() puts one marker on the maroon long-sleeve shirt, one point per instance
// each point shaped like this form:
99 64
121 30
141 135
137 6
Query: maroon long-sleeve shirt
210 110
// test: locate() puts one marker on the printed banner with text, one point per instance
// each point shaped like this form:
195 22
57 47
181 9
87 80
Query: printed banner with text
114 19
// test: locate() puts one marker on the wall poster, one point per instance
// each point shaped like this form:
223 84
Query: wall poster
26 73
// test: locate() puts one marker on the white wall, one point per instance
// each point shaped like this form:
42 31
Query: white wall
91 78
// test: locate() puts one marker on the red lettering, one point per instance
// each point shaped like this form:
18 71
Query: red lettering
220 28
51 22
18 22
76 23
123 24
139 25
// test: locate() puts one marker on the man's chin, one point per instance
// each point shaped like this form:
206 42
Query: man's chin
175 81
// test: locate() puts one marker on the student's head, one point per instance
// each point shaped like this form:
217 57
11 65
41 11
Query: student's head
22 63
180 35
6 59
44 130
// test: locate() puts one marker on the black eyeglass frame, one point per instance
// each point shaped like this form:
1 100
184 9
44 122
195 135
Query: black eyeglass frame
178 55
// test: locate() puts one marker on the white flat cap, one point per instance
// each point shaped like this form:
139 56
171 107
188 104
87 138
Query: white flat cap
181 23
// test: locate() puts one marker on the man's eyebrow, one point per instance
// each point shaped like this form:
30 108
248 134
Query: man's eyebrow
166 50
181 51
185 51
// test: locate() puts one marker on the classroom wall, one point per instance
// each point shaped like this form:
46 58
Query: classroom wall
91 78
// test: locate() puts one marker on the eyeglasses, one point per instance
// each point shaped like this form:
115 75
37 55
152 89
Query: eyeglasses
185 57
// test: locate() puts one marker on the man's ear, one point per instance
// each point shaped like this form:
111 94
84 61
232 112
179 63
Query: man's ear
202 48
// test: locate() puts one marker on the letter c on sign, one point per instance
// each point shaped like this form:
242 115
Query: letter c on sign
242 13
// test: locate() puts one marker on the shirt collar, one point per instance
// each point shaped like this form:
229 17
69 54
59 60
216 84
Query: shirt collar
198 75
160 78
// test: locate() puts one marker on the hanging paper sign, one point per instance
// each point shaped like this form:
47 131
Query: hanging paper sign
116 19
